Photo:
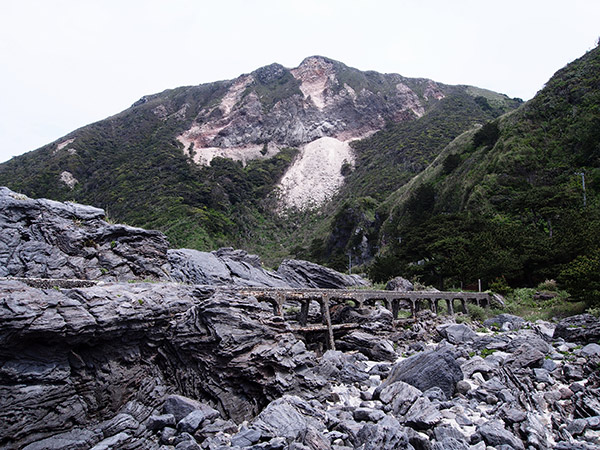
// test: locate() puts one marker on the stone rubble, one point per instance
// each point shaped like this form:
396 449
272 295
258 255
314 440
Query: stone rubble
168 365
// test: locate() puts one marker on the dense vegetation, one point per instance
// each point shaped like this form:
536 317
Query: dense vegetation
503 203
506 203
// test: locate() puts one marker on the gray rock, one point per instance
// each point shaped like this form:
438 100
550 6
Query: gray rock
191 422
188 445
289 417
75 439
525 356
374 347
494 434
386 434
246 437
305 274
343 367
180 406
422 415
224 267
48 239
462 387
457 333
159 422
368 414
400 395
499 322
584 328
435 393
115 441
451 443
399 284
591 350
167 435
476 364
426 370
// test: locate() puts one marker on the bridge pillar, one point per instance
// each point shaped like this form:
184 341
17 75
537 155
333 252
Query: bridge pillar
327 319
413 309
278 305
395 307
449 304
304 307
464 306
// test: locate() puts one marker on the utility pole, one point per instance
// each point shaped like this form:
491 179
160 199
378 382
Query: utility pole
583 186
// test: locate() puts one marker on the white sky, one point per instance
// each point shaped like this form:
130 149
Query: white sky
67 63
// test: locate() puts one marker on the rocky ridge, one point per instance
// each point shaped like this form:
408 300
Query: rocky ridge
163 365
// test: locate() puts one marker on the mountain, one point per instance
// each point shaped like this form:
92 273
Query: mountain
515 201
270 161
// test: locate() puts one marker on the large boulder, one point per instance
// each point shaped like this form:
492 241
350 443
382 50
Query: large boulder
48 239
399 284
583 328
305 274
224 267
426 370
372 346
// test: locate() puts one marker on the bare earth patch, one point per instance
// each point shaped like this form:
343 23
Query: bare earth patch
315 176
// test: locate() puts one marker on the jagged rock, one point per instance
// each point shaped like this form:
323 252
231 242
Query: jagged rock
246 437
426 370
159 422
504 322
584 328
115 441
400 395
525 356
48 239
368 414
119 423
591 350
192 421
450 443
399 284
476 364
457 333
224 267
374 347
343 367
71 440
179 406
422 414
289 417
305 274
494 434
386 434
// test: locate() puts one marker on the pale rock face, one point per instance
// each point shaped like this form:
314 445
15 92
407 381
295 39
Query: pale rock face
315 74
315 175
68 178
63 144
411 99
320 118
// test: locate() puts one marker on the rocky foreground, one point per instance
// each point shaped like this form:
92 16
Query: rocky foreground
188 364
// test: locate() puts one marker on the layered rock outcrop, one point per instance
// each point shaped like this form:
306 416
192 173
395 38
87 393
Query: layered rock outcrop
49 239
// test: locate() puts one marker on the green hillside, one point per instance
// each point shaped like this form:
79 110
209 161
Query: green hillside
133 166
505 203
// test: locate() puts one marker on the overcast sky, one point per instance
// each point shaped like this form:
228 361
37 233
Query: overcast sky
68 63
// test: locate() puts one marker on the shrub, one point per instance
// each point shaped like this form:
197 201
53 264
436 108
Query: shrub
581 278
477 312
548 285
